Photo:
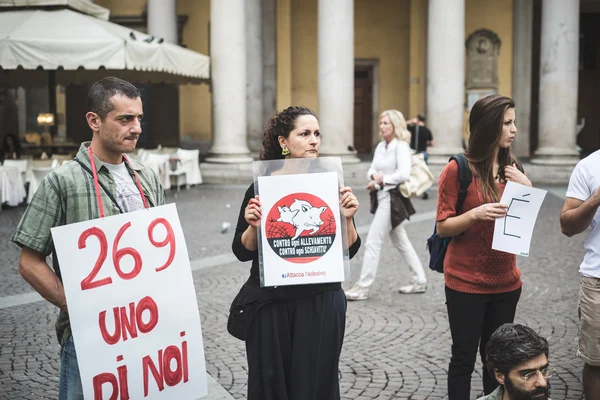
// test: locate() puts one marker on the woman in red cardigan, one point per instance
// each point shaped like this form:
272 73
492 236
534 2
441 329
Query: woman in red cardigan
483 285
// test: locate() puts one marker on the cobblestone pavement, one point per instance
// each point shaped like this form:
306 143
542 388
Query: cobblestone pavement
396 346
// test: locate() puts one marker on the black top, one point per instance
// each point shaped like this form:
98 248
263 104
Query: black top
243 254
424 136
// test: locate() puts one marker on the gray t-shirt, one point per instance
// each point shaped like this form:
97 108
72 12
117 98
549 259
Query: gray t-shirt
128 194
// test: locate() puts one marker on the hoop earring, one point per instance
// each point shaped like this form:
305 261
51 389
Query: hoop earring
285 151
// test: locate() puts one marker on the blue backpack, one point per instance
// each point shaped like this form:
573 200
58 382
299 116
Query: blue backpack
436 245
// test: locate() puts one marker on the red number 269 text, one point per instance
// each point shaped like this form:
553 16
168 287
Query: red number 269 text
91 281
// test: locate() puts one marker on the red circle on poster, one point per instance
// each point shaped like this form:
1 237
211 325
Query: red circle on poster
300 228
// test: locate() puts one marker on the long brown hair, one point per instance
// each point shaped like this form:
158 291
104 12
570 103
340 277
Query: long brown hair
485 126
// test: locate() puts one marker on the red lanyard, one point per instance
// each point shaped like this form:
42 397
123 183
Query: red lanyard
97 184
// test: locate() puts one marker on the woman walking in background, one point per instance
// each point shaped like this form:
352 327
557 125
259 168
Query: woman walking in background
390 167
295 334
483 285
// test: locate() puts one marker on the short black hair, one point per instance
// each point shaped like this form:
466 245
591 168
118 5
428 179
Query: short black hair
511 345
98 100
421 117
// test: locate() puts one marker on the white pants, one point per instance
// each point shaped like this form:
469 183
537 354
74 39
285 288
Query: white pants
382 225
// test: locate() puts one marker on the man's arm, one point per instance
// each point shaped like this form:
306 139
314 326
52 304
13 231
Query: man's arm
34 269
577 215
429 138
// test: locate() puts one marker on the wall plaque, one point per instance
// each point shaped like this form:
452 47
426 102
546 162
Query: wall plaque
483 48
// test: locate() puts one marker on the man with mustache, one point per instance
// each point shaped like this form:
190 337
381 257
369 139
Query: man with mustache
518 358
100 181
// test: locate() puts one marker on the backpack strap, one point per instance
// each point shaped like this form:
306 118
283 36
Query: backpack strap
464 178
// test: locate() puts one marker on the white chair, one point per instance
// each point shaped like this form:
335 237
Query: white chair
21 165
38 173
159 163
177 173
12 189
191 165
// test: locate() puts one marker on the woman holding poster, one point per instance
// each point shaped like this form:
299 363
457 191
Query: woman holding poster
293 334
390 167
483 285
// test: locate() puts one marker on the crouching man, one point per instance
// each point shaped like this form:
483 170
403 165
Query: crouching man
518 358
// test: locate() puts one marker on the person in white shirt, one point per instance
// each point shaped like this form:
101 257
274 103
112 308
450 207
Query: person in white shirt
581 210
390 167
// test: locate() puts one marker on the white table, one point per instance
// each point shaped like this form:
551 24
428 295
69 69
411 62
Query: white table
12 190
37 175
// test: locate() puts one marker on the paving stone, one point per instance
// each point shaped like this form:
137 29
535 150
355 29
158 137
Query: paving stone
396 346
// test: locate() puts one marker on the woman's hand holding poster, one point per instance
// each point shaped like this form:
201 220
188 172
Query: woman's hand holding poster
512 233
301 235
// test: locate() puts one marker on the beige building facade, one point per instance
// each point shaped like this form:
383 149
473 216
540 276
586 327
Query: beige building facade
351 59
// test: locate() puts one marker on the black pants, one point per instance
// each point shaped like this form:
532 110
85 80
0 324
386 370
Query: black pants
294 348
473 318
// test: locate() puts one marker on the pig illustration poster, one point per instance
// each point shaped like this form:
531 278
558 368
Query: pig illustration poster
301 240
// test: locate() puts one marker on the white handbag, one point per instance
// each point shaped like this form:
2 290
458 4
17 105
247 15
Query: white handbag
420 180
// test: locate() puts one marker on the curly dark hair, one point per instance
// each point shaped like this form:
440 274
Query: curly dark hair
511 345
280 124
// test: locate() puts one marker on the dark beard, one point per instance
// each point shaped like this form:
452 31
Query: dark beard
518 394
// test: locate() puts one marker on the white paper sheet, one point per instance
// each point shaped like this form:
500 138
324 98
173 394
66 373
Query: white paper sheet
512 234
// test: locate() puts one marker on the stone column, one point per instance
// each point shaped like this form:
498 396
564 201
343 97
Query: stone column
523 31
162 19
336 78
228 79
446 77
269 49
254 73
558 83
22 111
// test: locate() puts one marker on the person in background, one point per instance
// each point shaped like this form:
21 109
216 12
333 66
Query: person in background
11 148
580 211
390 167
68 195
483 286
421 138
295 336
518 358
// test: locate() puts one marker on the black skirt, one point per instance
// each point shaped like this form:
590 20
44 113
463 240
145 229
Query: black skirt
294 347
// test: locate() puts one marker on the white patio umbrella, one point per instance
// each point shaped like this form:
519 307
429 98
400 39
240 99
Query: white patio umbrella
82 48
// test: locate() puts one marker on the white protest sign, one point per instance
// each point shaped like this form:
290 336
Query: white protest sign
132 306
512 233
300 229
